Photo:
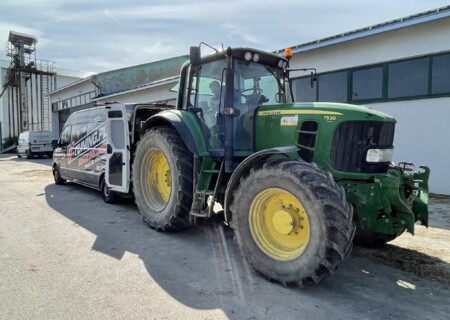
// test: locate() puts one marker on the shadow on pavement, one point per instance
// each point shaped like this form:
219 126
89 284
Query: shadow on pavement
202 268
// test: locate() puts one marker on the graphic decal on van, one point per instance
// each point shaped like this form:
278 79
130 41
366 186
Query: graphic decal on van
88 146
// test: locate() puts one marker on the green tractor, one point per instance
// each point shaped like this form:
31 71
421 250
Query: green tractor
295 180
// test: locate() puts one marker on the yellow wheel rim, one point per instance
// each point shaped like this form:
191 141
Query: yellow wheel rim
279 224
158 181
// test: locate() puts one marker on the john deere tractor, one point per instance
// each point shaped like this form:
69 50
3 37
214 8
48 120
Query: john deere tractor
295 179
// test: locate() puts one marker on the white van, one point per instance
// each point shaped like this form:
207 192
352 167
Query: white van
83 153
35 143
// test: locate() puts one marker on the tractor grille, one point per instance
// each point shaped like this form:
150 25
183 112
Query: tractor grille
351 141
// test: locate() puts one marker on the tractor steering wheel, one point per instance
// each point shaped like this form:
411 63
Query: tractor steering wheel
255 91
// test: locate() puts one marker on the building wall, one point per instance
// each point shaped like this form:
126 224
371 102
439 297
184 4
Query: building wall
3 108
422 137
36 99
421 131
68 100
73 95
422 39
149 95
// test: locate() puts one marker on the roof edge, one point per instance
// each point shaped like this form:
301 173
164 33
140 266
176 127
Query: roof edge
149 85
427 16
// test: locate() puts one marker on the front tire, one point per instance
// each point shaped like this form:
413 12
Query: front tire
57 176
292 222
162 179
108 195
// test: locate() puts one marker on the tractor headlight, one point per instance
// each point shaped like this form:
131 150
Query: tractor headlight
248 56
379 155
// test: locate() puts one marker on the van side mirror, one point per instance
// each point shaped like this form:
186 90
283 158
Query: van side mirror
194 56
54 144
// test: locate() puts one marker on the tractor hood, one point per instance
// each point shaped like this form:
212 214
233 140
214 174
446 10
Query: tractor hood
325 132
341 111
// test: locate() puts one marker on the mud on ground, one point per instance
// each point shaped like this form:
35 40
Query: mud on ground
427 253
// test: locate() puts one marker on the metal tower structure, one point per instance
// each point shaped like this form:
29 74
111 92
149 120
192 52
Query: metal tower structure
28 82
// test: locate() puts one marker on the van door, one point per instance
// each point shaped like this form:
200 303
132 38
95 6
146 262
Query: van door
117 170
62 155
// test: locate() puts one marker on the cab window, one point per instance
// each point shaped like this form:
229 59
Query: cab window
207 100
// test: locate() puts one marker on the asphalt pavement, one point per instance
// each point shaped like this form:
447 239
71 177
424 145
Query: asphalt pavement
65 254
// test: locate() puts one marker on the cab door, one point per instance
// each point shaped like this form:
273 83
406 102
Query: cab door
117 171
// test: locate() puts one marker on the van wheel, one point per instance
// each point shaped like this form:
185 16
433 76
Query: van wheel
57 176
18 155
108 195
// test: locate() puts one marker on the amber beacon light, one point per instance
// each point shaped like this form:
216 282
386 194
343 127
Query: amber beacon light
288 53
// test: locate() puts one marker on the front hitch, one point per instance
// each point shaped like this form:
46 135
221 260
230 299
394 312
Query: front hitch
393 202
420 204
418 183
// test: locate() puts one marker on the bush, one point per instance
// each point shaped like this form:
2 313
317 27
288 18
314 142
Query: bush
9 141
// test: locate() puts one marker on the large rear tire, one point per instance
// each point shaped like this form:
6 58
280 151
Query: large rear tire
292 222
162 179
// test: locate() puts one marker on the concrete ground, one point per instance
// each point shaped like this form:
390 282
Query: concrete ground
64 254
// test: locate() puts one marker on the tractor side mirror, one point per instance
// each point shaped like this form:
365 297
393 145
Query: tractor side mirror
194 56
313 78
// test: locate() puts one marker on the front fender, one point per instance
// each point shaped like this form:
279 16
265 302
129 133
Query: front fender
185 123
244 168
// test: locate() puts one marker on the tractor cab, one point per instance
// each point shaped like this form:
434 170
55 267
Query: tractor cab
225 89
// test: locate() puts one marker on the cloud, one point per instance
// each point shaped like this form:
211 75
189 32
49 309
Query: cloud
108 34
246 34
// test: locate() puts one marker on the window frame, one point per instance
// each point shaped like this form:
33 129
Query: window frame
385 81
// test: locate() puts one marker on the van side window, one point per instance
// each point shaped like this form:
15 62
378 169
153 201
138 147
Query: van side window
65 136
79 131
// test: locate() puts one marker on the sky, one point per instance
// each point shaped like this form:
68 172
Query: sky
102 35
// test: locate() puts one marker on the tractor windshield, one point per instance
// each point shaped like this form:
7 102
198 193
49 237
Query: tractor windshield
255 85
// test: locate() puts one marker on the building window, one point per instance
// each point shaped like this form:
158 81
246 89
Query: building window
441 74
408 78
333 87
302 90
424 77
367 84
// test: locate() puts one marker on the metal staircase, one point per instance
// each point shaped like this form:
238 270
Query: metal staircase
46 112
